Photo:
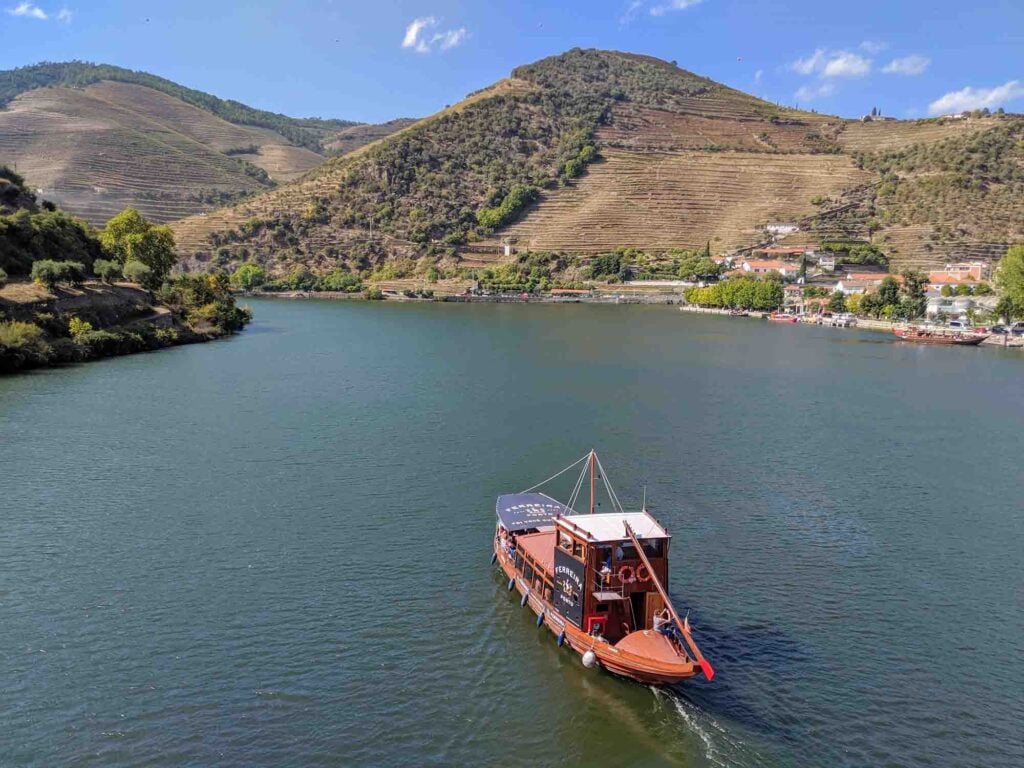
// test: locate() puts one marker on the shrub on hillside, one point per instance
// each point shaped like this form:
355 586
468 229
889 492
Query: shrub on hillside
248 277
107 271
21 345
51 273
27 237
3 278
137 272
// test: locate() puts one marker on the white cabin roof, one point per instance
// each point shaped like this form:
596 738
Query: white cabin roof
607 526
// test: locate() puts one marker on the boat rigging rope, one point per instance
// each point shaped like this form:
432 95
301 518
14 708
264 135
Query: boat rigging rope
608 487
559 474
579 485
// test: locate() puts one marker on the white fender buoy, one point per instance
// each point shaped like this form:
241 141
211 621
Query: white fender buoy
526 596
511 583
589 659
494 558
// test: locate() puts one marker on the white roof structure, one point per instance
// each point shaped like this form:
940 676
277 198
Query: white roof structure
607 526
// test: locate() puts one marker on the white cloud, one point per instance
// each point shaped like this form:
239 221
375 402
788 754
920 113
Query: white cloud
631 11
908 65
451 38
418 38
65 15
673 5
811 92
412 37
977 98
809 65
757 76
845 64
832 64
29 11
873 46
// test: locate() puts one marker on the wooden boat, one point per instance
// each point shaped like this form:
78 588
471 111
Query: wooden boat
928 336
778 317
597 581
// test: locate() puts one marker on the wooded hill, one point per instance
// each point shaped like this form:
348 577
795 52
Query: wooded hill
591 151
97 138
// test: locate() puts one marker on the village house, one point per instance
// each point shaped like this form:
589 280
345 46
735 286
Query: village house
764 267
783 251
967 271
938 279
827 262
848 287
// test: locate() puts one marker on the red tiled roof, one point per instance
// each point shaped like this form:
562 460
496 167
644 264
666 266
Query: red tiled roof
770 265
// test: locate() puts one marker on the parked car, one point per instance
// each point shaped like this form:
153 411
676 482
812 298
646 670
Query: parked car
961 325
998 329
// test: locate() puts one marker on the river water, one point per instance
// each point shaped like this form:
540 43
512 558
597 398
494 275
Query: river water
274 550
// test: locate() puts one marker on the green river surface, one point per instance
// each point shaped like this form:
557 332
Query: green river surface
274 550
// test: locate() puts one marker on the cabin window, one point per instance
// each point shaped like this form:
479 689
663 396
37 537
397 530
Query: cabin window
528 573
602 608
519 560
625 550
565 541
577 549
604 556
654 548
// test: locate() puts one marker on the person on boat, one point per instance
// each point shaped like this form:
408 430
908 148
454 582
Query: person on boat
666 625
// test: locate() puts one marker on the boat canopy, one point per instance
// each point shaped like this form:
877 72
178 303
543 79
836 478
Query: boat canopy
607 526
522 511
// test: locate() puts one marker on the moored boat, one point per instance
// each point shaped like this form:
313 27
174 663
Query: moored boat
598 581
929 336
779 317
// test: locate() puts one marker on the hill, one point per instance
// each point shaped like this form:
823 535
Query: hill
96 138
590 151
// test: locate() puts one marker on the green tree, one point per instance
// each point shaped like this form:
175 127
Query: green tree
889 292
3 278
947 291
837 302
107 271
129 237
1010 274
79 328
248 277
137 272
963 289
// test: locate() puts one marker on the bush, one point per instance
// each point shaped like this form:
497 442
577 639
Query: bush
137 272
340 280
21 345
107 271
49 273
374 294
3 278
248 277
79 328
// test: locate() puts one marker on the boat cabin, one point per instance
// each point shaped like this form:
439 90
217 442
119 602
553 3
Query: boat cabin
586 566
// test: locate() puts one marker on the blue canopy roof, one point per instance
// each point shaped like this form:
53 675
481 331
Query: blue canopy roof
520 511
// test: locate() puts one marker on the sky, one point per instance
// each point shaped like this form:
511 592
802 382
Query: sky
374 61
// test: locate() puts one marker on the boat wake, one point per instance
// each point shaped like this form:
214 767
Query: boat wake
720 747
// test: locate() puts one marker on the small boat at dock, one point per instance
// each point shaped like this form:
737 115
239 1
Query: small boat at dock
597 581
930 336
779 317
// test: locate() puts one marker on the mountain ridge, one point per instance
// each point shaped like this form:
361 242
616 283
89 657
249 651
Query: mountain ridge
96 138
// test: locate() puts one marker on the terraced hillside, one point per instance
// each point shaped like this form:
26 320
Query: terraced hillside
96 139
591 151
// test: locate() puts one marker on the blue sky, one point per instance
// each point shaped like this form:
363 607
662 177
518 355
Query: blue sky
374 61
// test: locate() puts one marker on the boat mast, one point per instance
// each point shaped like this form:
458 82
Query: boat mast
593 456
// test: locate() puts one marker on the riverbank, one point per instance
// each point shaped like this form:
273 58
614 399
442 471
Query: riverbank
40 327
862 323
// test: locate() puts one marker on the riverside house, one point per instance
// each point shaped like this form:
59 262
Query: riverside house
784 268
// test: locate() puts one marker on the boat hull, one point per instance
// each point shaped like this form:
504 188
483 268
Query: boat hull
944 339
643 668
